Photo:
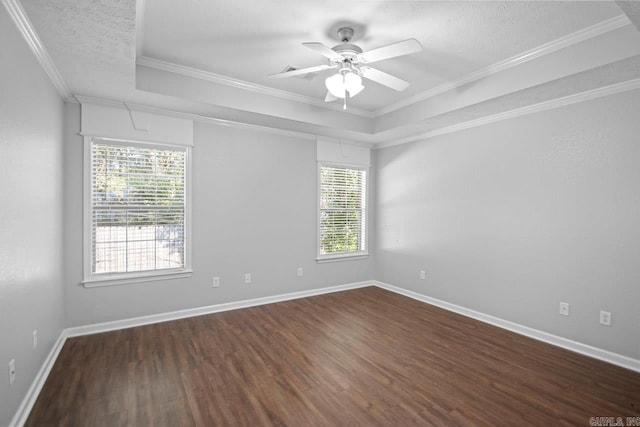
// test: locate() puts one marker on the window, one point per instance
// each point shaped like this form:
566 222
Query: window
343 212
137 210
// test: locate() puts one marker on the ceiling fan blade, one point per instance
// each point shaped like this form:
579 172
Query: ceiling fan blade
391 51
323 50
330 97
384 78
302 71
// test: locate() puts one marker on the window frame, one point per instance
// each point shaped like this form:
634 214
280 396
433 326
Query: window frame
344 256
91 279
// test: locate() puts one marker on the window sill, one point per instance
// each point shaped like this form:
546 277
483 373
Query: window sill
100 281
337 258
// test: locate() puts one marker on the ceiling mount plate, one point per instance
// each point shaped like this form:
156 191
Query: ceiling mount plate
345 34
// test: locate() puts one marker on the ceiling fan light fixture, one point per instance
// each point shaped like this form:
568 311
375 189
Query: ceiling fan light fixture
338 84
353 64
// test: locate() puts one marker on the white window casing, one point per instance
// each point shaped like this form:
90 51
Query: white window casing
342 223
137 220
342 212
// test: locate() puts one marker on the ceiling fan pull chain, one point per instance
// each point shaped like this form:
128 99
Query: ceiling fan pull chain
346 92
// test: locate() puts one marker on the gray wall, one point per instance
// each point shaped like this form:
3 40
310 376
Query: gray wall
30 216
511 218
254 211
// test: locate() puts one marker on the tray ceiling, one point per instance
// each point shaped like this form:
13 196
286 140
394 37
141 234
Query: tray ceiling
212 58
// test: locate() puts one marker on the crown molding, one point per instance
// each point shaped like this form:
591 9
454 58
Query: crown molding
184 115
80 99
522 111
170 67
28 32
140 7
530 109
542 50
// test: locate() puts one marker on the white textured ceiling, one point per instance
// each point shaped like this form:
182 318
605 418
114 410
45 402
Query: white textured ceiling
229 47
91 42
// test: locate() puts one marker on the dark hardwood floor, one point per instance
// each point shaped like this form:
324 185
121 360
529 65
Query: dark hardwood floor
360 357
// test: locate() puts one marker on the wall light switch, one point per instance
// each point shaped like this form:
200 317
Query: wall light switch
423 275
216 282
247 278
300 272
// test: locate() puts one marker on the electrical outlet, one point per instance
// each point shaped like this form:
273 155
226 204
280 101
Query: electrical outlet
12 371
300 272
247 278
216 282
605 318
423 275
564 308
35 339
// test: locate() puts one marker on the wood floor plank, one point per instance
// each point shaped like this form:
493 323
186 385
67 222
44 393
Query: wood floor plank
360 357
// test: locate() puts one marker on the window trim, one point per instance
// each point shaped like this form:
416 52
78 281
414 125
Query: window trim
346 256
91 280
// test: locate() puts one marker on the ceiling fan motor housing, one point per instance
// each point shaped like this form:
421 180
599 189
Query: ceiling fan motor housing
348 51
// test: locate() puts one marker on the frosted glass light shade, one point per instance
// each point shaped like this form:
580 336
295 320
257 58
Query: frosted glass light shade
353 84
335 85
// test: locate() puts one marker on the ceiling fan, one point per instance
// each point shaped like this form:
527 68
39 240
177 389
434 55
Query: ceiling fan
352 64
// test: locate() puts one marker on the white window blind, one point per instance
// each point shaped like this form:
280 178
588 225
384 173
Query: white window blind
137 207
343 197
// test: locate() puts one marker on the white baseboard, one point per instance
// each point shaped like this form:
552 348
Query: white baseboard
199 311
29 400
587 350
